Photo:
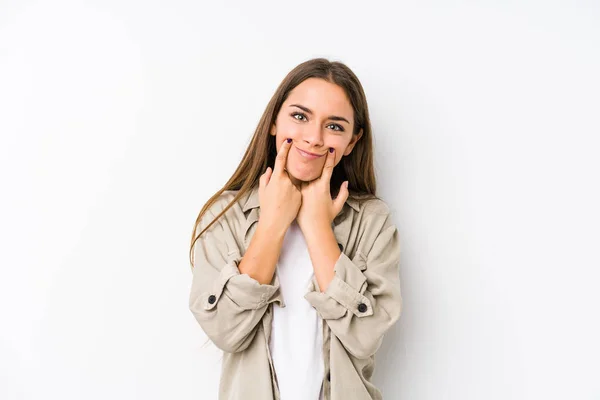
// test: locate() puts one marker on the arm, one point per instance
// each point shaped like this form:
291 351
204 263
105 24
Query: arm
324 252
227 303
360 306
260 259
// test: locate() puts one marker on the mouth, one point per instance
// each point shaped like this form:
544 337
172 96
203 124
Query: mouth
310 156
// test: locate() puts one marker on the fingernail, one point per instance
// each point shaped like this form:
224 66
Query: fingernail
289 140
346 184
331 149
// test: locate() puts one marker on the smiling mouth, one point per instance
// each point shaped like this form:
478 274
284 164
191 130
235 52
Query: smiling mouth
308 155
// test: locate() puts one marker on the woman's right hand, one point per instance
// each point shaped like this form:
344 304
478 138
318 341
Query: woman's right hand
279 198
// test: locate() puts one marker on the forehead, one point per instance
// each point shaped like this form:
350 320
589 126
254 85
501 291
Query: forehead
321 97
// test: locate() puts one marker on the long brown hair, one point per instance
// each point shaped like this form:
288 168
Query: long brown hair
357 168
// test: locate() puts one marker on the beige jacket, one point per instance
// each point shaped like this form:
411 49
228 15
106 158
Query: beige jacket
359 306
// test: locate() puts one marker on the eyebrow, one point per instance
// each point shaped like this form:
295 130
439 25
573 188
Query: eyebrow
331 117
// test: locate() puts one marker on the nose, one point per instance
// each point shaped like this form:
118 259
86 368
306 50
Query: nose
313 135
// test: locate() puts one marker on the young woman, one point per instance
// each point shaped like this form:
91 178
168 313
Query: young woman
296 260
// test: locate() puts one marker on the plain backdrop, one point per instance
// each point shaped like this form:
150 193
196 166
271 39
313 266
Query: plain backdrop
119 119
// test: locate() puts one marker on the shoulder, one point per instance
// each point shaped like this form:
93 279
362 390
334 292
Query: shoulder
374 216
226 198
371 207
371 227
233 213
374 206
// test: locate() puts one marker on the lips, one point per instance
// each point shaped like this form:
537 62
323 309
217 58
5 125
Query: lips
307 154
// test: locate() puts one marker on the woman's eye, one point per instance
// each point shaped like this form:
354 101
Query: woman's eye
337 127
300 114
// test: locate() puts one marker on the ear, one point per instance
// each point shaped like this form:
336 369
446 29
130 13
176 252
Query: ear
273 132
355 139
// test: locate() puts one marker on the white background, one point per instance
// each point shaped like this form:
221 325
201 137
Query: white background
118 121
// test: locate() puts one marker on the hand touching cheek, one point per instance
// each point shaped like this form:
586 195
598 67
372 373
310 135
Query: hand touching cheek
318 209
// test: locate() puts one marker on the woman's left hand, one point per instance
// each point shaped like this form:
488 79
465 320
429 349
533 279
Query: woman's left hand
317 206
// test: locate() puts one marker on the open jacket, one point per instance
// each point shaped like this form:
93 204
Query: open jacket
359 306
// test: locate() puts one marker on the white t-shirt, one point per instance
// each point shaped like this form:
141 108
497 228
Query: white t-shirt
296 342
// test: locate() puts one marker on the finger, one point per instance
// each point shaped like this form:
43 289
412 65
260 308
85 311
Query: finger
328 167
264 180
341 198
266 177
281 158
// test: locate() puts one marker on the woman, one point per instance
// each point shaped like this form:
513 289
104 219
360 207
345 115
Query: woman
295 260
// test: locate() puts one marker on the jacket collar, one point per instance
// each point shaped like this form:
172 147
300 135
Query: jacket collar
252 200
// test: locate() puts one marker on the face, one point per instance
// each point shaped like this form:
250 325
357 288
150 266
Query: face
316 115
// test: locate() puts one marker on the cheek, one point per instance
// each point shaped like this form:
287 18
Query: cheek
338 157
340 147
288 131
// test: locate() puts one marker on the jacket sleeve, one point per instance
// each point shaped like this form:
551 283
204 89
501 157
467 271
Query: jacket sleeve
228 305
363 300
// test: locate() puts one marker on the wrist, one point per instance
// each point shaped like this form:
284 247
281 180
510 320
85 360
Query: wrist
273 231
316 223
317 231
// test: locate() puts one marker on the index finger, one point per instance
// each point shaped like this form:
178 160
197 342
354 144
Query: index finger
328 166
281 158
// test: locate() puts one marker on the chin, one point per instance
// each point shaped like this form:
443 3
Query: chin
304 176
